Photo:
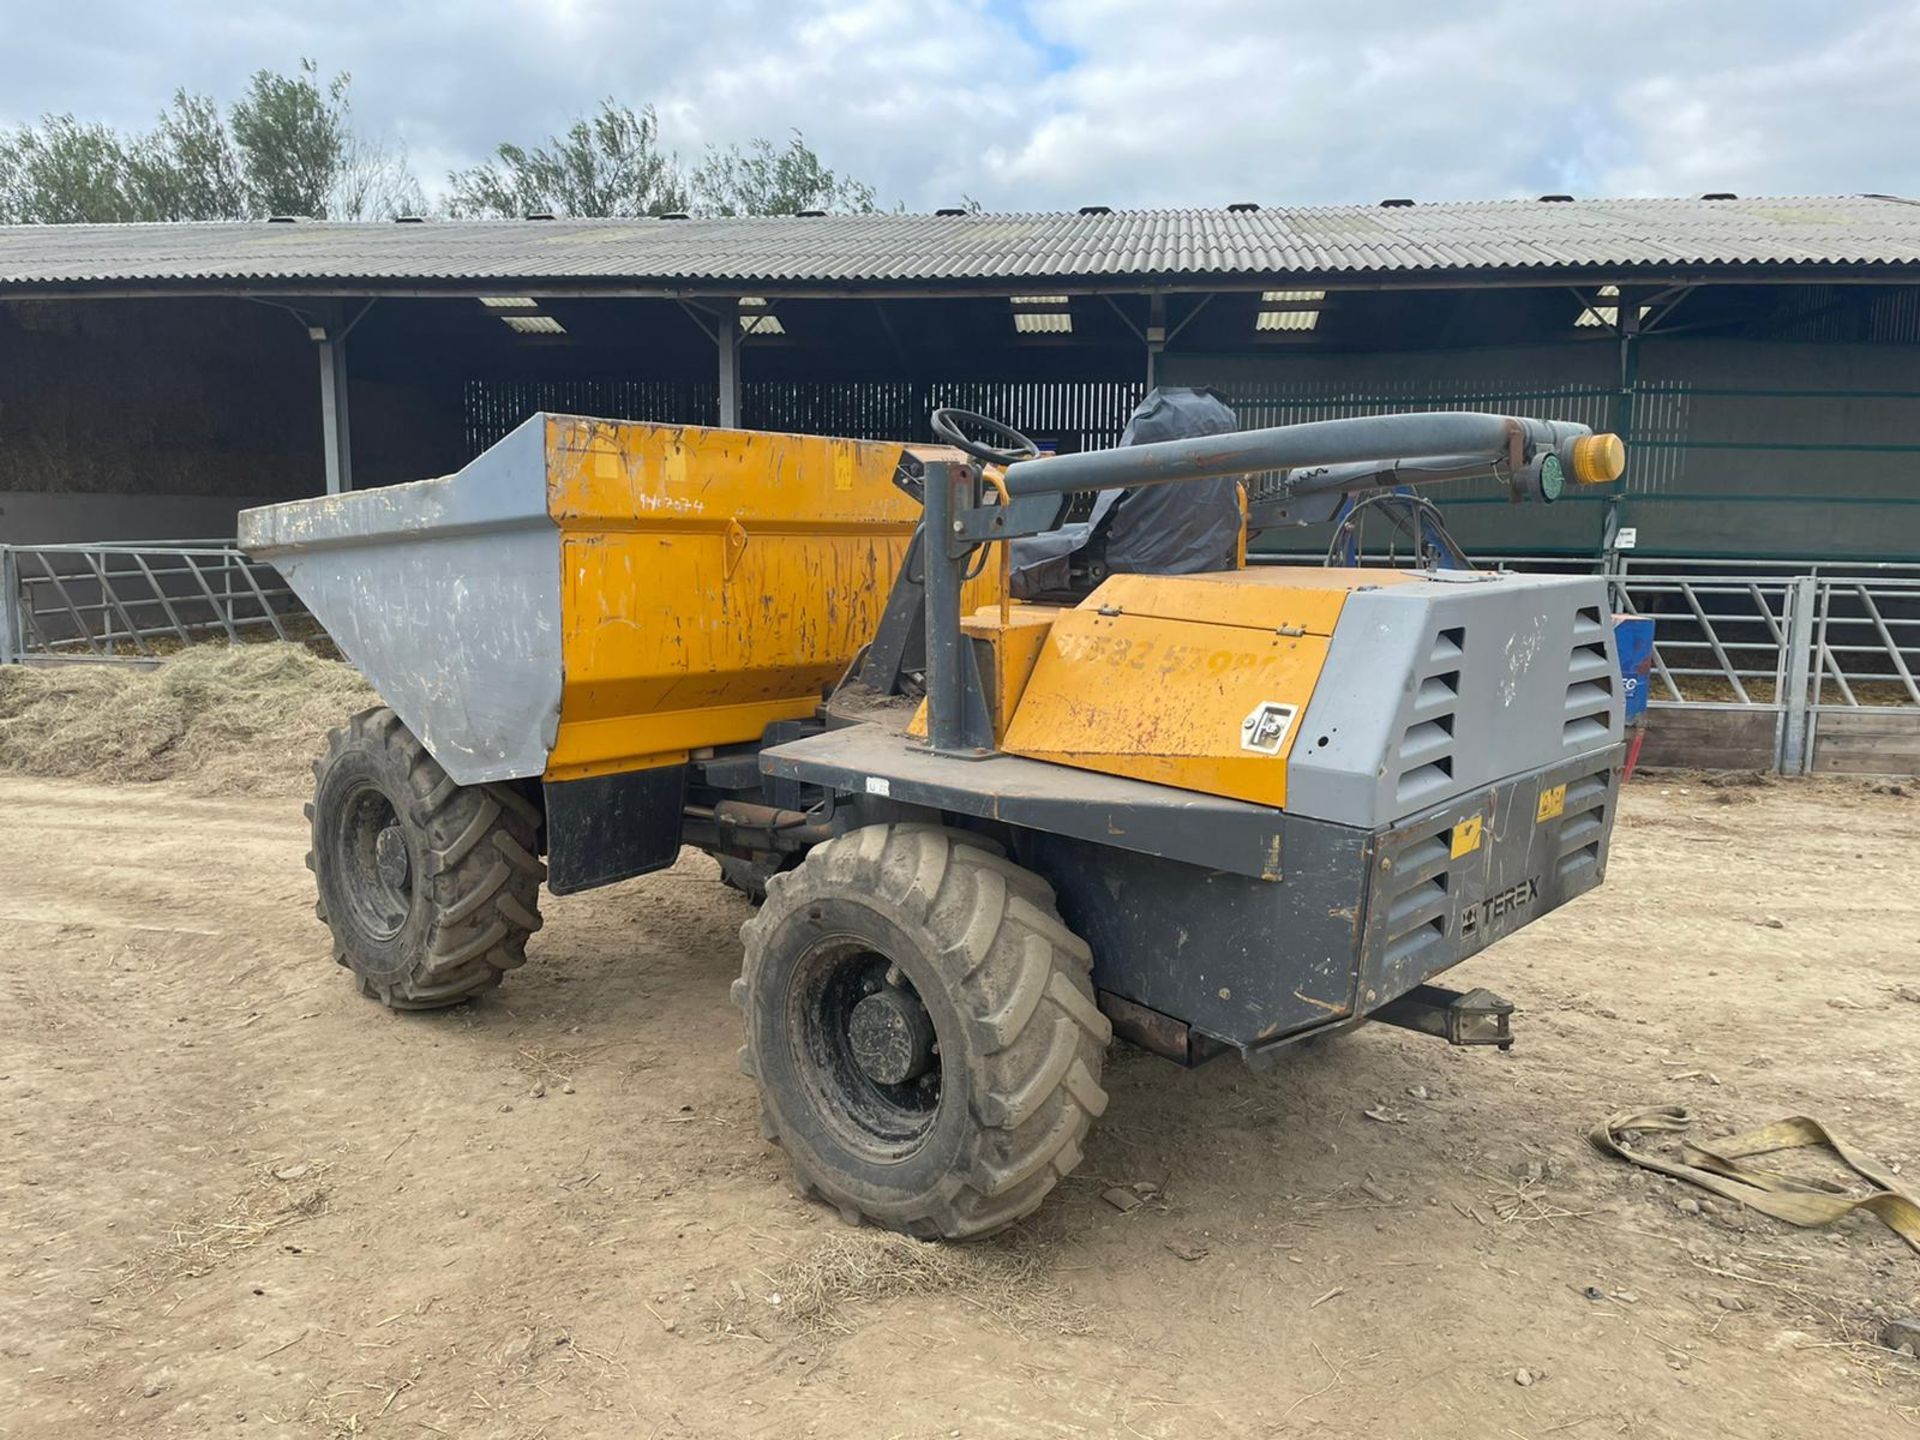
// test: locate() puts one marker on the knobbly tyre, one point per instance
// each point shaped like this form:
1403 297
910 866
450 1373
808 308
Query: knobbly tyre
1213 813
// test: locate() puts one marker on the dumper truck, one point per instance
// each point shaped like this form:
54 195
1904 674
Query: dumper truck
1213 813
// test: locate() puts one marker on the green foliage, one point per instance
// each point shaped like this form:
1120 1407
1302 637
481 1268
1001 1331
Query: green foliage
763 180
292 136
286 147
610 164
186 168
64 172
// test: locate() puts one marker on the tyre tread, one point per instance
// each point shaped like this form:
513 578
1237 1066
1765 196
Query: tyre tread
1022 981
482 874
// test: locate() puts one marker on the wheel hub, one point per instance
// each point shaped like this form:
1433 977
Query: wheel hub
891 1036
390 858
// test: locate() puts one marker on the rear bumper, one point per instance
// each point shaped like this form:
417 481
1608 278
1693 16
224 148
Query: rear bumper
1448 883
1192 961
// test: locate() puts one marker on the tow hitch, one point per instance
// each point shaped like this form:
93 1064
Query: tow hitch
1479 1017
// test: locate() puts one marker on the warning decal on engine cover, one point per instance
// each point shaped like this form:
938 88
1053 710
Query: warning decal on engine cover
1466 836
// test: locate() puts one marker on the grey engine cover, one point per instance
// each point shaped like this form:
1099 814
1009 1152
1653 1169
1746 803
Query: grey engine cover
1437 687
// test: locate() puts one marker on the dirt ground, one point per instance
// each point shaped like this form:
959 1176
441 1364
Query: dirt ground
237 1199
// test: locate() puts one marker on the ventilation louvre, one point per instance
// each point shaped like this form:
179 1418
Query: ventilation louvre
1590 682
1426 747
1583 824
1416 900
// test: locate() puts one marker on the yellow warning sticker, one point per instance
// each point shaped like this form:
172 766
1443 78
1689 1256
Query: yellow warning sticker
1552 803
843 467
1466 837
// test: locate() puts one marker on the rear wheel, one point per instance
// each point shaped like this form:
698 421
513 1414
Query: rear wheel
430 888
922 1027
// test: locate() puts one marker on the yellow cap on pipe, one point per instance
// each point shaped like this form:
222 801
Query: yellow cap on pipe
1598 459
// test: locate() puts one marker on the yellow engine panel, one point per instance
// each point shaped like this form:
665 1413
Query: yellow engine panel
713 581
1186 680
1008 654
1005 654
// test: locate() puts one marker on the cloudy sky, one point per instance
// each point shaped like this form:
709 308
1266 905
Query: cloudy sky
1044 103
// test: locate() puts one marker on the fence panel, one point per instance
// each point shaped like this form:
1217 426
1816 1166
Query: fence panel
1800 668
135 601
1864 705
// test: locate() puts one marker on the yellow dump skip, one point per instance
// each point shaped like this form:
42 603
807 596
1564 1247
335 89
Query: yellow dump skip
1186 680
713 581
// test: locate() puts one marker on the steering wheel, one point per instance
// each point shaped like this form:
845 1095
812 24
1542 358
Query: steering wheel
946 422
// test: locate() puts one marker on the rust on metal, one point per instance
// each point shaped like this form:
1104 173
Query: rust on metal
1147 1028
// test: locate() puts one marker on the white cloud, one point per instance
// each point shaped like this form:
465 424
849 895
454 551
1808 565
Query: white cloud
1835 112
1053 103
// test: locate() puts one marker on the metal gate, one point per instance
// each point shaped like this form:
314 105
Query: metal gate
1823 665
1863 710
135 601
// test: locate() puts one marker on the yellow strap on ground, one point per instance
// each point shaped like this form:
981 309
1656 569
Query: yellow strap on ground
1717 1168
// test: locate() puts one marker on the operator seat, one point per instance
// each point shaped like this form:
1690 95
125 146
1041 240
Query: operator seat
1156 530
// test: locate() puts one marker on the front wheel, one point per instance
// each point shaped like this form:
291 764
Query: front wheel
922 1027
430 888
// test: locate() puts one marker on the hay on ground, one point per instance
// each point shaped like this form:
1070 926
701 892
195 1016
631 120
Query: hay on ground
821 1291
244 719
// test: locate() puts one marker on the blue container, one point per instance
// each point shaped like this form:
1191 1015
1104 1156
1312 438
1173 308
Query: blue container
1633 635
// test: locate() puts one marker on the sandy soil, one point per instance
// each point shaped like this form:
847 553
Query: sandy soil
239 1200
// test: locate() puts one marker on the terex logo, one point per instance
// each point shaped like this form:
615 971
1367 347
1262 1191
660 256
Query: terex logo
1515 897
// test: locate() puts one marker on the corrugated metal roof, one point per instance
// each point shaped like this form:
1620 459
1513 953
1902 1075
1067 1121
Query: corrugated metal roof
1532 238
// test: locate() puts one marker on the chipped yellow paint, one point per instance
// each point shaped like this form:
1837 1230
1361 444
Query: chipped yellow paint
917 726
1466 836
713 581
1553 802
1156 676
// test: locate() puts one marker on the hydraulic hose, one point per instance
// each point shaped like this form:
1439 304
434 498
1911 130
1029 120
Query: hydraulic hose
1461 436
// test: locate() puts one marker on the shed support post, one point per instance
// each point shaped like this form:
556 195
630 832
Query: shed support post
1627 322
336 429
13 630
1795 733
727 342
1156 336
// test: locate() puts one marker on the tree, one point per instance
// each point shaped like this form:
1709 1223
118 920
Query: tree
186 168
373 181
610 164
286 147
762 180
63 173
292 137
